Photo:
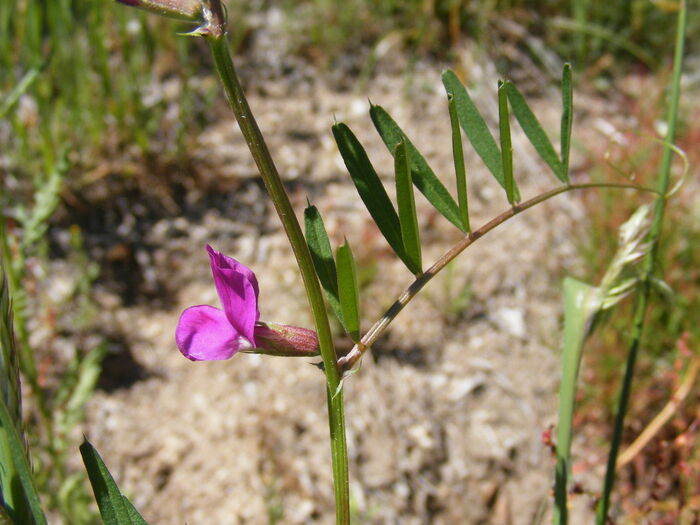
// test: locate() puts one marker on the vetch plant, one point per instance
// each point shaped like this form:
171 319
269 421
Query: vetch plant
208 333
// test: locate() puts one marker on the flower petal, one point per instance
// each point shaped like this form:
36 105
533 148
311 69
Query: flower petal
205 334
238 291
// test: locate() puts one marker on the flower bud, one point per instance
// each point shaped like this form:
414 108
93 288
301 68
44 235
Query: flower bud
285 340
182 9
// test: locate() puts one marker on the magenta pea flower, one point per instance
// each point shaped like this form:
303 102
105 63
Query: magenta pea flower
205 333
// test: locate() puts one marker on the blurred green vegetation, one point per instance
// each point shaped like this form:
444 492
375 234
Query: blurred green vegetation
113 79
84 98
582 31
109 81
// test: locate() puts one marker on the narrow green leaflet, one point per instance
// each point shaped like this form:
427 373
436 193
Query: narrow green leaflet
349 291
506 144
21 499
460 169
475 127
136 518
421 173
322 256
580 305
407 207
567 96
114 507
533 130
370 188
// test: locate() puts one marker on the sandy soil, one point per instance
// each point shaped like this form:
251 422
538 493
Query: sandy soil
445 416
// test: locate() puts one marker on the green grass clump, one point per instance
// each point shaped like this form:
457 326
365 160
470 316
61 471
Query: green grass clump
79 97
581 30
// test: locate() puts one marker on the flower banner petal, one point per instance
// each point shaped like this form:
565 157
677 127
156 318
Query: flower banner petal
238 291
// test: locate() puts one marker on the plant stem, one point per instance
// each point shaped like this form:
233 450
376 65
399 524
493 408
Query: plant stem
649 267
275 188
349 360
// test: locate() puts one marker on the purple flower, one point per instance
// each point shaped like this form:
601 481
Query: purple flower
205 333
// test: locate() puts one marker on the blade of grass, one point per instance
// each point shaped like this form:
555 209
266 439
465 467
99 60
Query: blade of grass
407 206
349 291
506 144
567 118
25 504
114 507
14 493
661 419
649 266
578 309
460 170
422 174
475 127
371 190
9 362
533 130
322 256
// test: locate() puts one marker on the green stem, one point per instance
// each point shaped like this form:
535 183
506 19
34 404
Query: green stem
649 267
349 360
275 188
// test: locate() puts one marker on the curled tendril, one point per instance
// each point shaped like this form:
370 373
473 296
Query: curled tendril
673 147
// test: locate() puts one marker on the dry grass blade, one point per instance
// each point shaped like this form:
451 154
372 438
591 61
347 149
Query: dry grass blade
662 417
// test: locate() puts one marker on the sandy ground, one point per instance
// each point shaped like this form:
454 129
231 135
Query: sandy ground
445 416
